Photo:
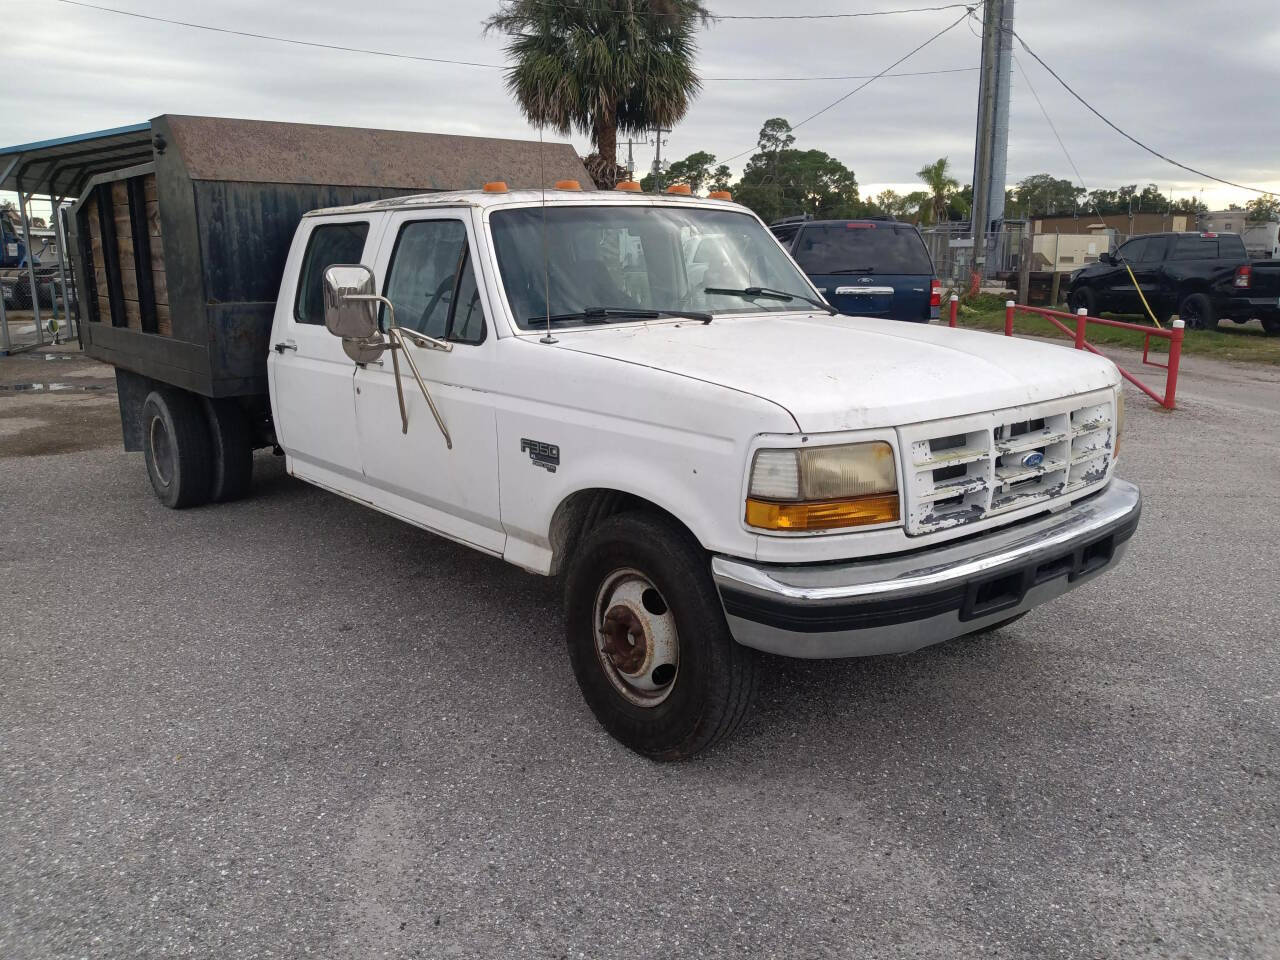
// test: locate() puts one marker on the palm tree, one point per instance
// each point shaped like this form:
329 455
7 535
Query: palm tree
601 66
937 177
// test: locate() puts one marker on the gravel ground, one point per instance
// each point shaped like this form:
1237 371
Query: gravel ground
293 727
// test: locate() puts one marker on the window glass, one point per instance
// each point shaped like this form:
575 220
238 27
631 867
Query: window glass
834 248
1132 251
632 256
328 244
1153 252
468 315
424 268
1195 248
785 234
1231 246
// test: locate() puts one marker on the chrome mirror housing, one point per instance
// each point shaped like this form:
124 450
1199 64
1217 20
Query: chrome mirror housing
351 303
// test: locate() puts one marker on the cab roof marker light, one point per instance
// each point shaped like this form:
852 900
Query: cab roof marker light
719 195
495 186
680 189
568 185
630 186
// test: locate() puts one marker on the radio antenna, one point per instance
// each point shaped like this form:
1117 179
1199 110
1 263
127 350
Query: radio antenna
546 256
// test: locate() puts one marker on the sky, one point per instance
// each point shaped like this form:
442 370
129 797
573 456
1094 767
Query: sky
1194 80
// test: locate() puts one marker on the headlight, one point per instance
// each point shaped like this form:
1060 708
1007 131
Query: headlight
821 488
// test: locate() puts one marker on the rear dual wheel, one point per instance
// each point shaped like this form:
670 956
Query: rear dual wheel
648 640
1196 311
196 449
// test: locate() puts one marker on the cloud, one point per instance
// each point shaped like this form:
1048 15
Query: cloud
1204 100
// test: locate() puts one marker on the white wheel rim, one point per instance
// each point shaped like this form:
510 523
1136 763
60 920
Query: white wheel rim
636 640
161 449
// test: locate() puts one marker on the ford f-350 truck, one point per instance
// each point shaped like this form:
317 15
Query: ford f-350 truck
713 468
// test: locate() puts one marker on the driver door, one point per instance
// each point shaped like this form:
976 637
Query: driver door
428 272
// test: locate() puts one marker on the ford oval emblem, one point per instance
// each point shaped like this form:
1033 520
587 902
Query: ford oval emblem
1032 459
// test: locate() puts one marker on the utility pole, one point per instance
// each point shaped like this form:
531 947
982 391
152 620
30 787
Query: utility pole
631 161
657 157
992 140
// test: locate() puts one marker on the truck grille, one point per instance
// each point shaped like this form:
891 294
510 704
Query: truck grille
967 469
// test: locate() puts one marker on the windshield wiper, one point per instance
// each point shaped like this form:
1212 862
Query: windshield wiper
605 314
768 293
832 273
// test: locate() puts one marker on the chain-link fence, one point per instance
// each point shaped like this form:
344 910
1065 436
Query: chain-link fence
952 248
30 316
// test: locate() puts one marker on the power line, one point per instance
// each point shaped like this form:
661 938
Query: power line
1132 139
857 76
834 16
1057 136
630 7
862 86
264 36
464 63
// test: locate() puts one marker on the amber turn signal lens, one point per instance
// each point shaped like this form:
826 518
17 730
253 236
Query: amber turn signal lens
823 514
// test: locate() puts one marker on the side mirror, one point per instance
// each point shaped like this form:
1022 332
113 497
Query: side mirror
350 302
1108 258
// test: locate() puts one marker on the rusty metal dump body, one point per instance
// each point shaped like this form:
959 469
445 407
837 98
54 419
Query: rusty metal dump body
179 259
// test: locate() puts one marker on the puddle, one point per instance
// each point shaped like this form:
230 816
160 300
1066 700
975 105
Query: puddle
51 387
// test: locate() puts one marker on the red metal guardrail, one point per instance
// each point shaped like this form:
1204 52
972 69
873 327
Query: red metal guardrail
1080 321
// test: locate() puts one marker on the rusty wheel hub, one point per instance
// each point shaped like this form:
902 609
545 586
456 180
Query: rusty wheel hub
636 639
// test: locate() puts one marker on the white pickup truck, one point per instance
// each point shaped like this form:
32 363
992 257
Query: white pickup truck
713 466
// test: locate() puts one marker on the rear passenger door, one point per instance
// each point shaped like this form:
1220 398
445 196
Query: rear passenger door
426 269
311 377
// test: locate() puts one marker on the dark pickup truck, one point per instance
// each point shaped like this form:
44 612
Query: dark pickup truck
1201 277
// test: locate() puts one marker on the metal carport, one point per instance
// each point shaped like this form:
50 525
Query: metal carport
58 170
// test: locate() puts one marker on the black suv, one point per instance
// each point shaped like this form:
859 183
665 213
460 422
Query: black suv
1202 277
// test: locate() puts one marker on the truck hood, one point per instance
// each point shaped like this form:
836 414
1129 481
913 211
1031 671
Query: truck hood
853 373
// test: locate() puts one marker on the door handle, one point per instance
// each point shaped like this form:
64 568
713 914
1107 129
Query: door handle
284 345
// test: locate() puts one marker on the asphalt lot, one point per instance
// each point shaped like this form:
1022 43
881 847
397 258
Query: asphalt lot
293 727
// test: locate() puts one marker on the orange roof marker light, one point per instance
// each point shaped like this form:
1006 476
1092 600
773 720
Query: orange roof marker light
495 186
568 185
719 195
680 188
628 185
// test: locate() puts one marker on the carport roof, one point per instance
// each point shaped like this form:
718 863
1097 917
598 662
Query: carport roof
62 166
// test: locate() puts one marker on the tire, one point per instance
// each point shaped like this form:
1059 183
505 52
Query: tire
1271 325
232 442
1008 621
640 573
1196 311
177 447
1083 297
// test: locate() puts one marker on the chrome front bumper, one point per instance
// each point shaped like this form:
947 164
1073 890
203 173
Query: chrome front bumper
896 604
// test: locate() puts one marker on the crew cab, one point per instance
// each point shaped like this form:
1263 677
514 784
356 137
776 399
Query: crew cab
712 468
874 267
641 395
1202 277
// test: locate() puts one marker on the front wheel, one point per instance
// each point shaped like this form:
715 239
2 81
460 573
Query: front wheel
1083 297
648 640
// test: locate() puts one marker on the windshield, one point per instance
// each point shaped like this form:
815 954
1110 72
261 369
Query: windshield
832 248
643 258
